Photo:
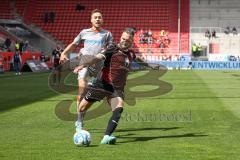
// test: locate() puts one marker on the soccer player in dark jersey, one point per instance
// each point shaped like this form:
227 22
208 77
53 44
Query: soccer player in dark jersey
56 53
110 83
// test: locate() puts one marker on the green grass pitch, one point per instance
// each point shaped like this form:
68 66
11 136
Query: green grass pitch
198 119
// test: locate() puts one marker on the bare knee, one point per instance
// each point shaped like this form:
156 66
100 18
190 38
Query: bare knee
82 84
116 102
84 105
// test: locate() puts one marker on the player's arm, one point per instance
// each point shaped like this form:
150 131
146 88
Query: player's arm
110 40
89 60
142 63
67 50
93 59
72 46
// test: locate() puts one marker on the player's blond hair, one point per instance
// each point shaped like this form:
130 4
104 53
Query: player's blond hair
96 11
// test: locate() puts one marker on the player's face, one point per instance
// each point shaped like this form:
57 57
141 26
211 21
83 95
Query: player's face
97 20
126 41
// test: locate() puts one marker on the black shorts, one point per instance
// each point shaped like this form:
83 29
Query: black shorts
99 90
57 67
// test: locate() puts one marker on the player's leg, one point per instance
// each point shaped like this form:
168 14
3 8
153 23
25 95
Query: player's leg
117 109
19 68
59 70
84 105
82 83
15 65
54 80
81 89
93 94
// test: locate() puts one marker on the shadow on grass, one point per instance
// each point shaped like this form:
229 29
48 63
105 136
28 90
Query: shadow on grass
92 146
148 138
146 129
235 75
28 88
99 130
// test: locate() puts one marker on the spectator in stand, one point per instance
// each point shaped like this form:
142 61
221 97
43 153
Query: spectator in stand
162 33
164 37
162 46
234 31
79 7
167 42
232 58
214 34
17 61
208 34
175 58
17 46
46 17
227 30
199 49
21 47
141 37
238 58
150 37
134 30
52 16
7 44
145 36
194 49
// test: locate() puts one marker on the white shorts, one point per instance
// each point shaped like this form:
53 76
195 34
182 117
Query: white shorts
91 71
83 74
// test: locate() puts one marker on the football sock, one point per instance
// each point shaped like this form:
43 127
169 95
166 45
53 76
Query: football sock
113 121
81 117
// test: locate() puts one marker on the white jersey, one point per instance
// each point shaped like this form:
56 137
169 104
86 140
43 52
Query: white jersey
94 41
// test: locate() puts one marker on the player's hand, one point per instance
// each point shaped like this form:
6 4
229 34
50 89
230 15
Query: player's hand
63 58
77 69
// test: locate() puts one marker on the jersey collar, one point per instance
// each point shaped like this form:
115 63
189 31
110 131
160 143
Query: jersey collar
96 30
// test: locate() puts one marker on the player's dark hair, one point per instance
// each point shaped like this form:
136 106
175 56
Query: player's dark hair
130 31
96 11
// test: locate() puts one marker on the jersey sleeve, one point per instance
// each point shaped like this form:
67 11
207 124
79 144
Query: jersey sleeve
133 55
109 38
109 50
78 39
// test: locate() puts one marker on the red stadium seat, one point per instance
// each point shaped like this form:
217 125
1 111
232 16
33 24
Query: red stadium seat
146 14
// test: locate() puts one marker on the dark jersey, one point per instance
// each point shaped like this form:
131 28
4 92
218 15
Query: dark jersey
16 57
56 53
116 67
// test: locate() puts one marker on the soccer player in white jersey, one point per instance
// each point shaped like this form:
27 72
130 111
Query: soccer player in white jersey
94 39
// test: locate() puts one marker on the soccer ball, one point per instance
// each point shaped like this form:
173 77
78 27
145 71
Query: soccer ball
82 138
